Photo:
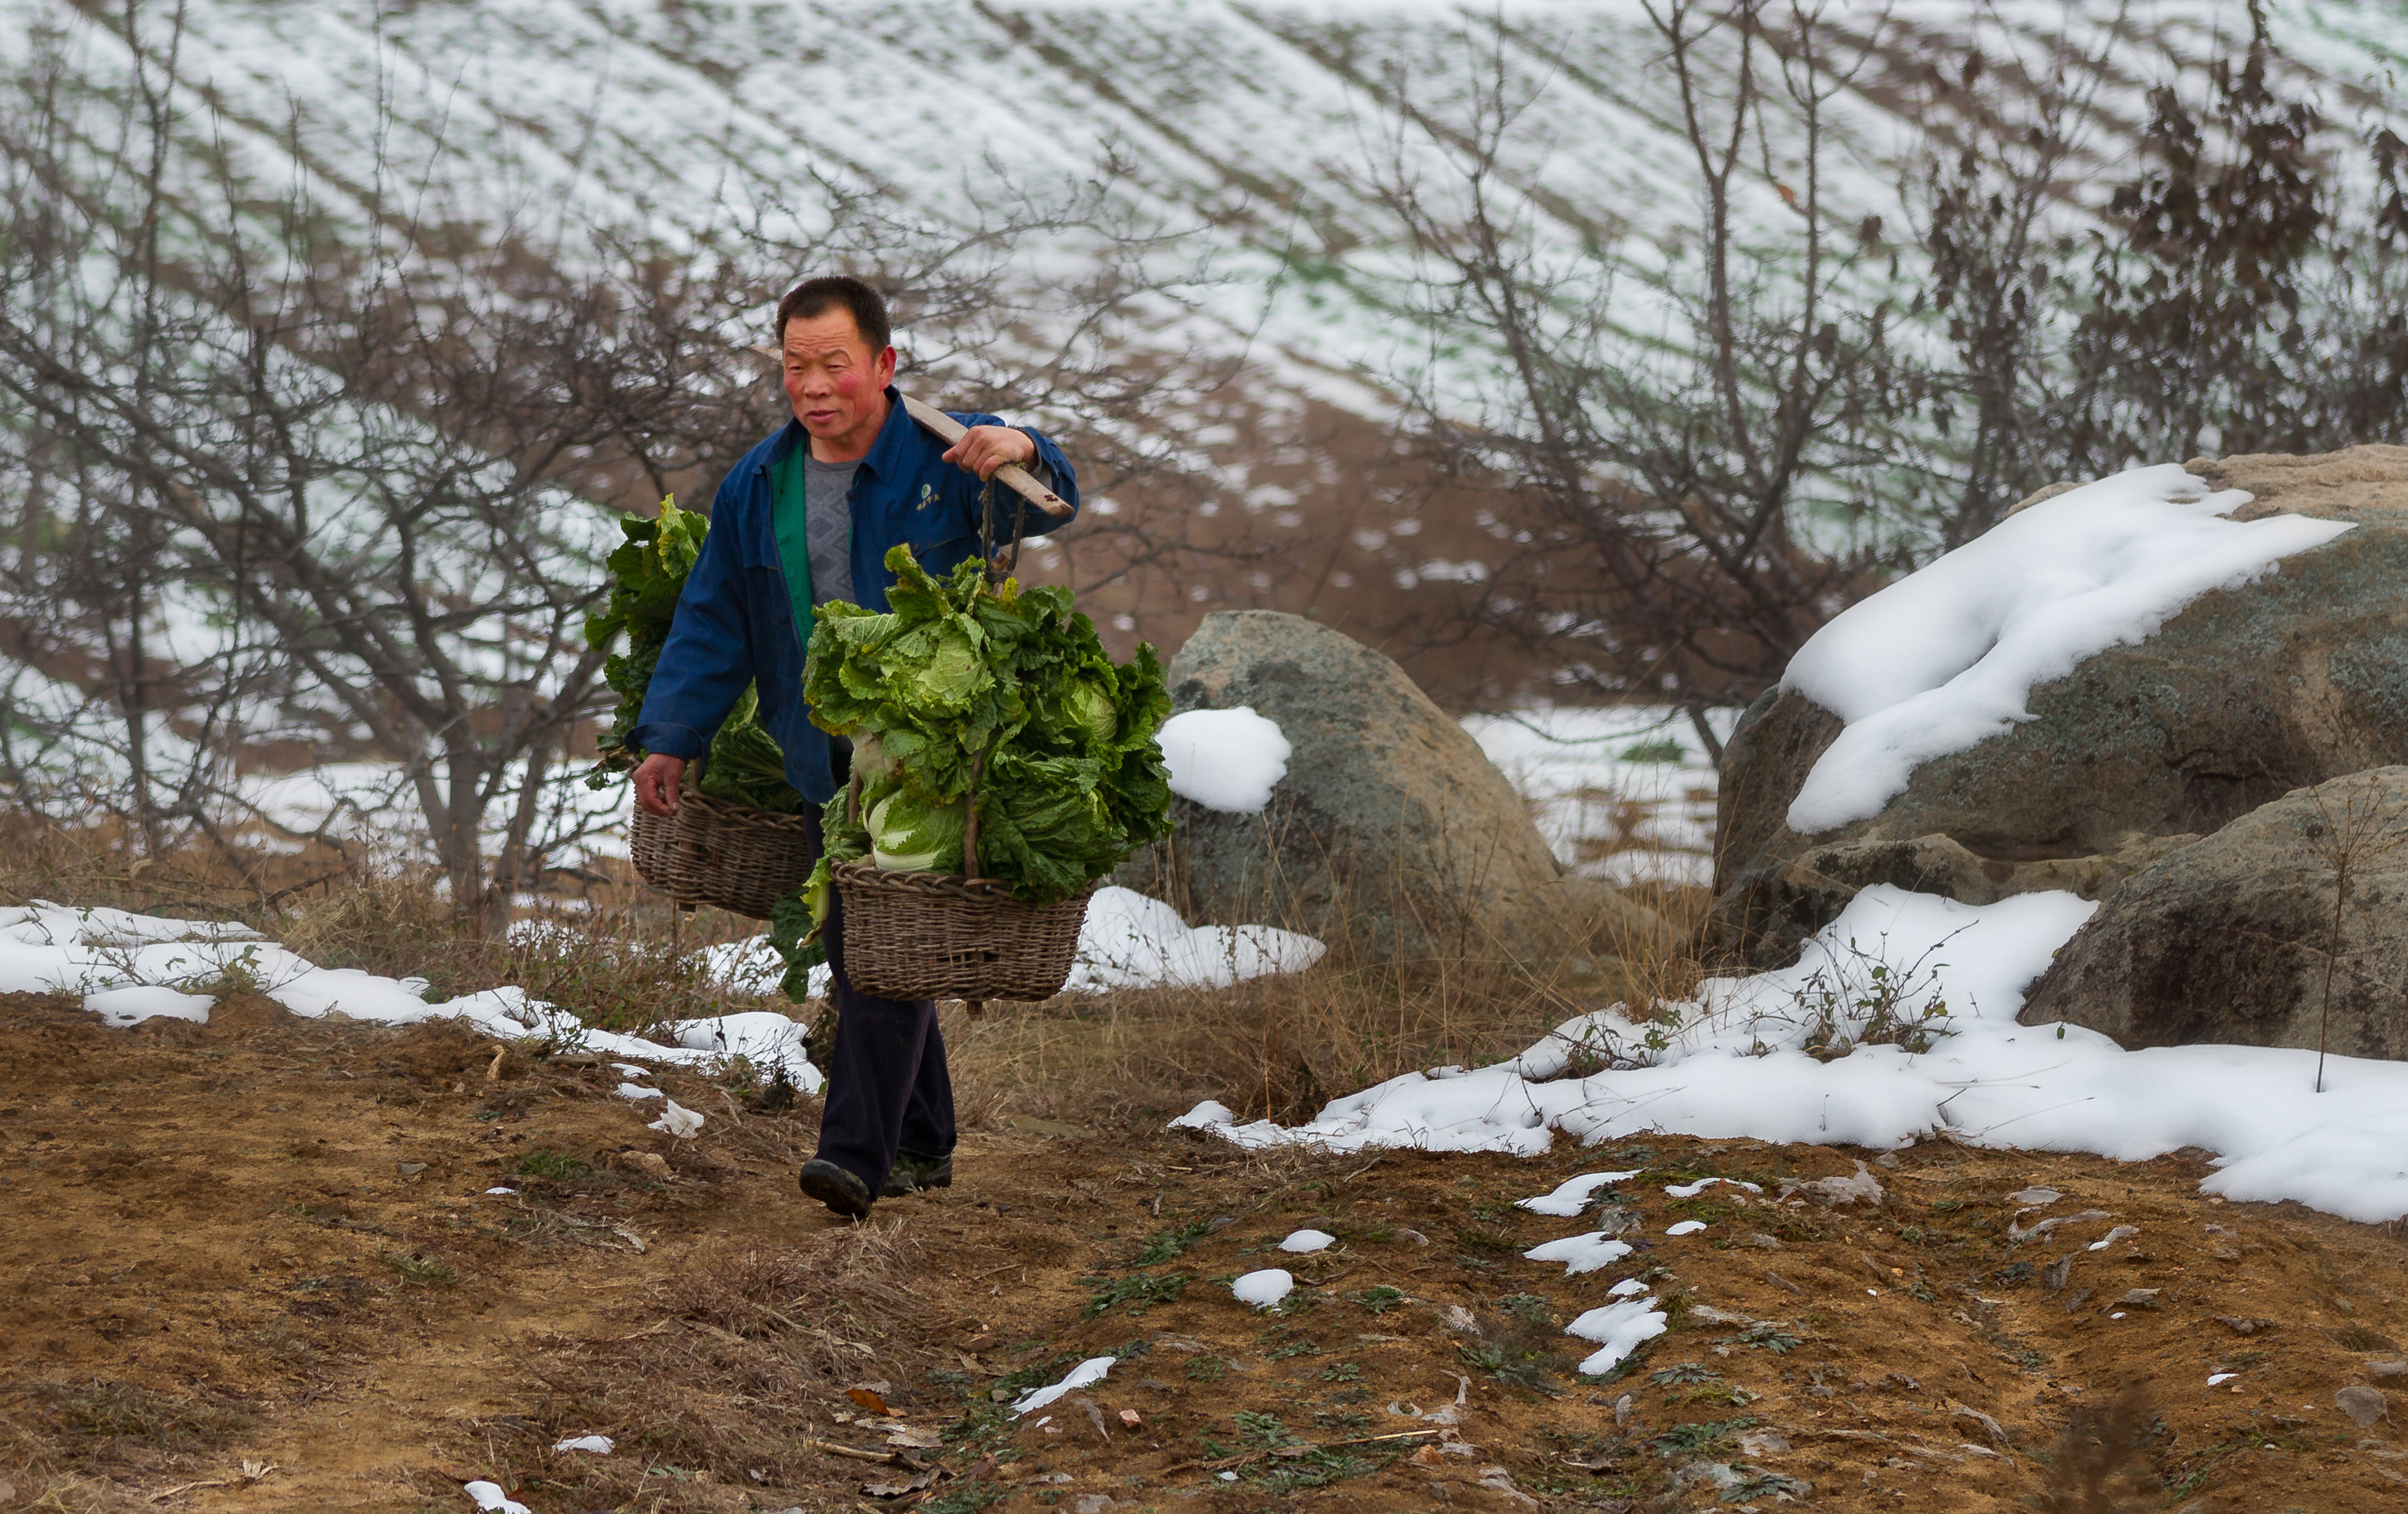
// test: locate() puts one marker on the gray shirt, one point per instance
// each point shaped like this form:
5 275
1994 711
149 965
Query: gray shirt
827 512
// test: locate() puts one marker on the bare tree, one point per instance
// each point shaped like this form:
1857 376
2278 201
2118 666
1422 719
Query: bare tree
1677 509
279 481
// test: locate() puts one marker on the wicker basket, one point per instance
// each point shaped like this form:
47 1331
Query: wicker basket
714 853
926 935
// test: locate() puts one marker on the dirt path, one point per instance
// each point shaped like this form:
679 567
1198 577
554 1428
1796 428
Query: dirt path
253 1266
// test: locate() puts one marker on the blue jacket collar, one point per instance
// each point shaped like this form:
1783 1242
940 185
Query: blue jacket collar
887 456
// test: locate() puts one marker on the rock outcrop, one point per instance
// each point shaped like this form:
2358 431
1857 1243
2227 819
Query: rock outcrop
2248 694
2228 940
1392 835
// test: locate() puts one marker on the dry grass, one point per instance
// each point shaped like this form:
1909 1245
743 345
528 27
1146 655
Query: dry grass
1282 1047
752 1349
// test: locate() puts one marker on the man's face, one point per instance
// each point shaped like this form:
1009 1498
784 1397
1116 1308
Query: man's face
835 384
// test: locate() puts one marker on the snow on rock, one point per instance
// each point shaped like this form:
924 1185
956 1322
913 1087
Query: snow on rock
1571 1196
1226 760
1734 1069
1580 1253
638 1091
1949 656
1307 1240
1687 1227
1085 1373
132 1006
130 967
1262 1289
1618 1329
599 1445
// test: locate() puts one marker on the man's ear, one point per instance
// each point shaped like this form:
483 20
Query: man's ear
886 367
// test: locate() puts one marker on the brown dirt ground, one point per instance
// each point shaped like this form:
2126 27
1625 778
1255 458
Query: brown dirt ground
252 1265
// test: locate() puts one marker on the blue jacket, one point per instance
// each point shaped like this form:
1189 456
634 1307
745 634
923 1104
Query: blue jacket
735 624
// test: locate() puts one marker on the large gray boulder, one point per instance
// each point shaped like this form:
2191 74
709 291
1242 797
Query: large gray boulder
2229 939
1392 835
2295 677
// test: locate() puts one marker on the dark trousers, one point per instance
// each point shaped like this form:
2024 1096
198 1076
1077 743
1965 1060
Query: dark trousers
887 1087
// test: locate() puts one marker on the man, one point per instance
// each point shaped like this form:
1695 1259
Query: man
806 517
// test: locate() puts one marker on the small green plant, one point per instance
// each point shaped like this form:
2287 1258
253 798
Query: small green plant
1140 1291
1682 1372
1171 1244
1343 1372
1479 1239
1864 1001
1768 1338
544 1163
1661 749
1378 1300
1519 1369
1686 1442
1295 1348
1207 1369
1363 1232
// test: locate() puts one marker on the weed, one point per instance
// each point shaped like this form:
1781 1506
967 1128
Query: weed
1343 1372
1682 1372
1294 1348
1519 1369
1714 1392
547 1165
1527 1307
1759 1483
1378 1300
962 1498
1169 1245
410 1267
1207 1369
1768 1338
1478 1239
1688 1442
1363 1232
1862 1000
1140 1291
123 1412
2360 1338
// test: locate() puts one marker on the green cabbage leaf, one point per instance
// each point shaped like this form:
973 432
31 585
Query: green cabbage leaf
1001 694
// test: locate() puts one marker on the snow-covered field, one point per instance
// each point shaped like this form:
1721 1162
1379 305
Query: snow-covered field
1624 792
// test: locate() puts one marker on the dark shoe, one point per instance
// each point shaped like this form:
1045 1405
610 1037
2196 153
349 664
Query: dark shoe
913 1172
835 1187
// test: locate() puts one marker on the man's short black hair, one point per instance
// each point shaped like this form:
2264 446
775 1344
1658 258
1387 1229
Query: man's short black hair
817 296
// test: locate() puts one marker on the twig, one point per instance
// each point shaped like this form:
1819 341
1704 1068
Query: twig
889 1458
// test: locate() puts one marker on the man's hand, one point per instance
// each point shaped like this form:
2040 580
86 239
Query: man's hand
656 782
984 448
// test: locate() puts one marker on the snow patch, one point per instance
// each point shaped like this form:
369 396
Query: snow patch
1618 1329
1086 1373
1262 1289
1735 1068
